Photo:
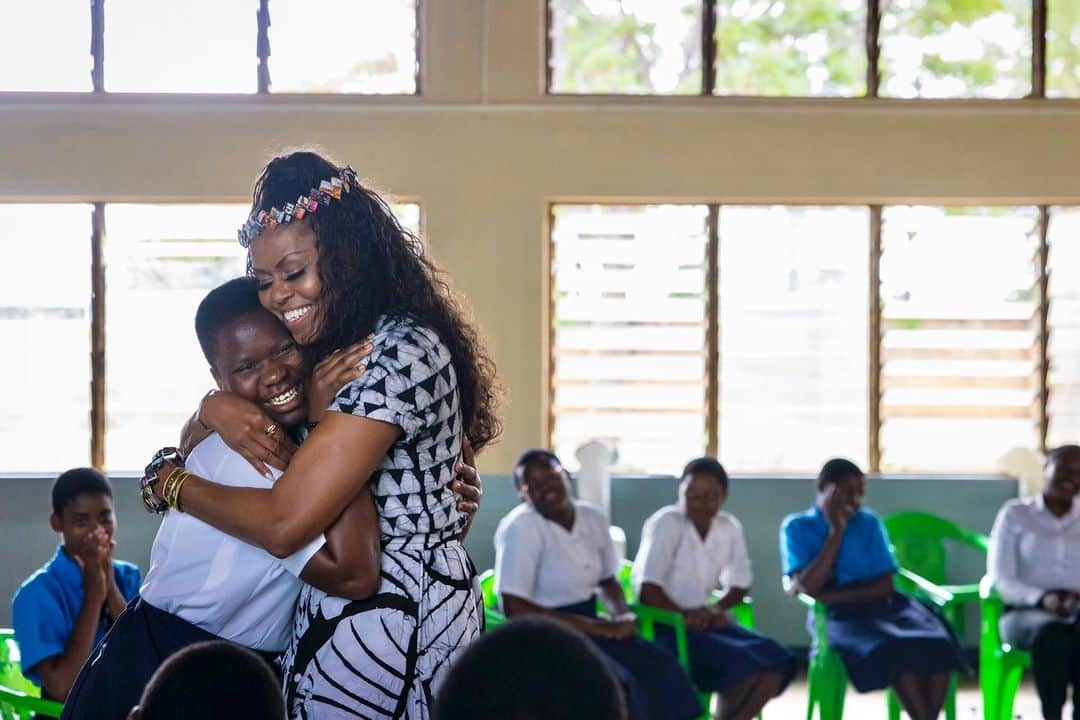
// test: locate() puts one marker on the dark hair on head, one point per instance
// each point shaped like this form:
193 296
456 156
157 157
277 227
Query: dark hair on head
221 306
75 482
214 680
535 456
836 470
370 266
1054 454
530 669
707 466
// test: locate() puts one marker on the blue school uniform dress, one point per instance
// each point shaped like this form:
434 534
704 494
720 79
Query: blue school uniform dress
47 605
688 567
877 639
560 569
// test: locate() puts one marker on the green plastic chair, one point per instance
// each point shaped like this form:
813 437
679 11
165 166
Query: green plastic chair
919 542
1001 666
827 680
649 617
20 699
493 618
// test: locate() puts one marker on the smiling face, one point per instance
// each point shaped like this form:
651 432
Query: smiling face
543 484
83 516
1062 474
704 496
285 261
257 359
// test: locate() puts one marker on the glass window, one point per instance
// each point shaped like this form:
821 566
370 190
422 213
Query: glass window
46 46
626 46
196 46
629 332
934 49
1063 48
791 47
161 262
1064 350
959 345
794 289
343 46
45 326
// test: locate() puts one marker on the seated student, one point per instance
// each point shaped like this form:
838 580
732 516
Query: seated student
212 680
551 554
530 669
63 610
838 553
686 549
1034 562
204 584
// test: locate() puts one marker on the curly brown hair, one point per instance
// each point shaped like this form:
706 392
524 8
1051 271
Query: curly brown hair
371 266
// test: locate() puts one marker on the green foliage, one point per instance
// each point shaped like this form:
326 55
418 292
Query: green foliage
804 47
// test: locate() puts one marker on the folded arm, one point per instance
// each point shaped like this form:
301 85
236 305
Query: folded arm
349 564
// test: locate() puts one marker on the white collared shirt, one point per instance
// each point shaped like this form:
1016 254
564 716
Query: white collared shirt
542 561
1032 551
674 556
234 590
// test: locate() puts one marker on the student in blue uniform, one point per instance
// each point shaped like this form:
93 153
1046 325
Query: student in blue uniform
838 552
552 554
687 549
64 609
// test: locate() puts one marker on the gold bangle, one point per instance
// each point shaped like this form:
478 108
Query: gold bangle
176 491
172 486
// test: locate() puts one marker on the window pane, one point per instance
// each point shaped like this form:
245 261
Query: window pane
626 46
46 46
161 262
343 46
1063 48
45 326
792 47
960 337
408 214
1064 410
936 49
198 46
793 336
629 341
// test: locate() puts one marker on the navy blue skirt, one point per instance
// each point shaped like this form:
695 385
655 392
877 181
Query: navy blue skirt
655 685
112 680
881 639
721 657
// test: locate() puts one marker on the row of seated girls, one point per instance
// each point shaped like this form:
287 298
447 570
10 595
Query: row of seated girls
553 553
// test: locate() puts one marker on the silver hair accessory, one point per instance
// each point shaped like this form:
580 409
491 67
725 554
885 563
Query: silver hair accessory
332 189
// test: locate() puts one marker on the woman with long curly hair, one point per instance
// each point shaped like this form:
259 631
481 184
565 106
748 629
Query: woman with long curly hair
332 262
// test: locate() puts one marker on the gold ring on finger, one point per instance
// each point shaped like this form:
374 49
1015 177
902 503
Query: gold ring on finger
270 429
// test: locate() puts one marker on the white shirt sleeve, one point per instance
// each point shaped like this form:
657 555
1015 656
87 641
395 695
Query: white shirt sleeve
296 562
1003 558
518 547
736 572
656 552
609 554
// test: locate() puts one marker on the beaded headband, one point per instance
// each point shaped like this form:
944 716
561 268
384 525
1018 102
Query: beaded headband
332 189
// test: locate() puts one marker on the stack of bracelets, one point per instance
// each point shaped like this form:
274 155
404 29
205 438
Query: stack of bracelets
170 488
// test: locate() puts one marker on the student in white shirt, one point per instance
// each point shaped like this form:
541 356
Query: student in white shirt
686 550
1034 562
552 554
204 584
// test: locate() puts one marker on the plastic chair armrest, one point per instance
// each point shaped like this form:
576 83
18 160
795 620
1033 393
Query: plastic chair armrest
935 593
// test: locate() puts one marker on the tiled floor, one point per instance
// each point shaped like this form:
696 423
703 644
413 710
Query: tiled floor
792 704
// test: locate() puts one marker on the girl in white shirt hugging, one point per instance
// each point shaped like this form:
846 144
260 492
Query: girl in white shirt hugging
686 550
552 553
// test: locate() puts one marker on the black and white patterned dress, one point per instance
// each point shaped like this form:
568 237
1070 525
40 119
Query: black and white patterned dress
384 657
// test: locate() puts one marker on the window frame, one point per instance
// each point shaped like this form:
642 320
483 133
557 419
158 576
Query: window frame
875 385
872 46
